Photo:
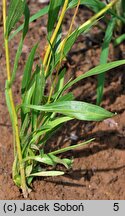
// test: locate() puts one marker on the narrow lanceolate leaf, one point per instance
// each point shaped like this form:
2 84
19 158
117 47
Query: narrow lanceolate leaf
28 69
76 109
54 8
39 79
123 7
60 82
37 15
27 97
24 126
94 71
119 40
45 159
16 9
26 23
29 169
71 40
107 40
49 159
19 50
95 5
39 86
8 102
16 61
104 57
48 127
47 173
69 148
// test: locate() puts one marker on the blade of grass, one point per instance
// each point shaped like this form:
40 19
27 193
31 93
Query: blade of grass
119 40
48 127
96 5
48 159
8 102
75 109
69 148
27 97
24 127
54 8
28 69
62 49
47 173
104 58
94 71
19 50
55 33
38 93
39 14
16 9
123 7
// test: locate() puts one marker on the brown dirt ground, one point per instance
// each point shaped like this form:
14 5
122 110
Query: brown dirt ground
98 171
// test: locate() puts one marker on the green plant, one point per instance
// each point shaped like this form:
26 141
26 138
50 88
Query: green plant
114 27
38 112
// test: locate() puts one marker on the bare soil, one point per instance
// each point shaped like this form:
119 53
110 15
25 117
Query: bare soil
98 171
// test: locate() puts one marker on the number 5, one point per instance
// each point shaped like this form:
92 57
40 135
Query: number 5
116 207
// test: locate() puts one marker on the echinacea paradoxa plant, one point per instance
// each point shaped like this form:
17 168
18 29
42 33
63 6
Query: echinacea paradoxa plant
41 115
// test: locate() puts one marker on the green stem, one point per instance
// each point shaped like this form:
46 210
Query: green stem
15 119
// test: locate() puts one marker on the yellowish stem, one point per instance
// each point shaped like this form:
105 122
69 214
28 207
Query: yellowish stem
64 41
92 19
100 13
15 119
6 42
52 40
70 30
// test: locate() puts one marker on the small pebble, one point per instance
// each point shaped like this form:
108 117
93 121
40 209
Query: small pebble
73 137
111 123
